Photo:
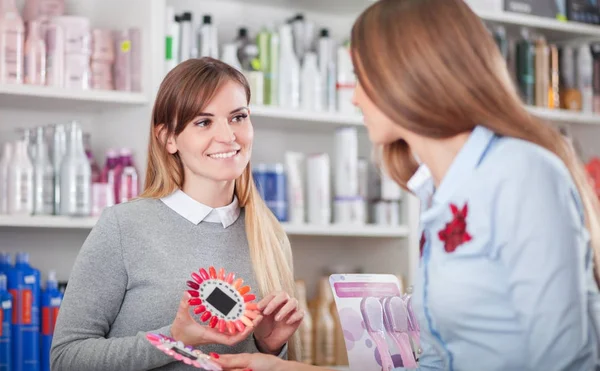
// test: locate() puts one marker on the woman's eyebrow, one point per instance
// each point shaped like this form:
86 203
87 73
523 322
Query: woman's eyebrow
212 115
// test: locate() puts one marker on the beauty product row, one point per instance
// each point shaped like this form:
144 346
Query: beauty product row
28 315
552 76
300 190
290 66
54 173
47 47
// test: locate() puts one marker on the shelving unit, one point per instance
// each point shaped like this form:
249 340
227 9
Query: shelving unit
33 95
333 230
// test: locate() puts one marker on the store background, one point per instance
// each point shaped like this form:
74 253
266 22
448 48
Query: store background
122 119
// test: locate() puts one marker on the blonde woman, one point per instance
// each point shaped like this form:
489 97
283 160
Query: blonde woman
200 208
510 225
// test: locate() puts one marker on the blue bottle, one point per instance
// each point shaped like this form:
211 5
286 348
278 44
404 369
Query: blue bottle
5 264
51 300
5 330
24 286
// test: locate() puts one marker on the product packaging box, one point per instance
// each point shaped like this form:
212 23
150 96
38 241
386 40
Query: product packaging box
543 8
379 326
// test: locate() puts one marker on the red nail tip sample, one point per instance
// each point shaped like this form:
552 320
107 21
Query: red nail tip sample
244 290
197 278
230 278
238 283
200 309
212 272
193 285
193 293
231 328
251 306
214 355
195 301
222 325
213 321
221 274
205 317
204 274
249 297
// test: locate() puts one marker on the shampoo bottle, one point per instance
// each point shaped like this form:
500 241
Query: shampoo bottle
585 67
311 84
4 166
51 300
43 173
289 70
12 34
571 97
75 177
306 327
5 330
35 55
59 151
20 181
24 286
324 326
526 67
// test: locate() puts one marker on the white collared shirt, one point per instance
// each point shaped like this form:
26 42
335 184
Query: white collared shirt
197 212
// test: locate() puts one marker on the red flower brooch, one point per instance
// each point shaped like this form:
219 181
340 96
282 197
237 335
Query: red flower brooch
455 233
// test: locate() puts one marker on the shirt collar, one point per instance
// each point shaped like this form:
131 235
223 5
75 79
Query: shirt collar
197 212
467 159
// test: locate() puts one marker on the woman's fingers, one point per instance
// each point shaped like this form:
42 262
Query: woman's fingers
289 307
296 317
277 301
183 311
234 361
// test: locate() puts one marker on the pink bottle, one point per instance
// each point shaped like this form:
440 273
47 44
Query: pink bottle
35 55
103 56
12 33
129 178
122 68
109 172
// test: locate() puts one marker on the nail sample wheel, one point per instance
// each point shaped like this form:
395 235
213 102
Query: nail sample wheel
221 300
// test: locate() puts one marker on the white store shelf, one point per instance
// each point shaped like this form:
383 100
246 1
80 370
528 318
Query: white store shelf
555 29
60 222
45 96
283 118
564 116
286 116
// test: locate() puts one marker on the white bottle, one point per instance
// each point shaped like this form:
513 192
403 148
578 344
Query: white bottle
346 162
311 84
20 181
43 172
76 177
274 47
4 164
59 151
186 37
346 81
318 189
171 40
327 69
585 68
289 70
230 57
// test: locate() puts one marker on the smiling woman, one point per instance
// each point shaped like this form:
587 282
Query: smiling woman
200 208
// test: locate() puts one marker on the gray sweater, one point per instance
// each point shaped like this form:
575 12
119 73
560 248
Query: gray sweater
128 280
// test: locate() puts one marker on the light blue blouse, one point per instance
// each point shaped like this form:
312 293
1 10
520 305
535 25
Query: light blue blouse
506 274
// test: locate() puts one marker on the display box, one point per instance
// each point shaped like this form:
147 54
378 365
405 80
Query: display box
543 8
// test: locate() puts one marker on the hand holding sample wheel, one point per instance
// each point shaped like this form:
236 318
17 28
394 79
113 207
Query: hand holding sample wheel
220 301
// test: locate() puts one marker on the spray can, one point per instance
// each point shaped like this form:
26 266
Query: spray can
51 300
24 286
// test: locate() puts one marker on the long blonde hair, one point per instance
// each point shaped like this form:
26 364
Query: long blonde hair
432 67
183 94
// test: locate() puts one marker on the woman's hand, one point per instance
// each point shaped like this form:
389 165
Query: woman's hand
281 318
254 362
190 332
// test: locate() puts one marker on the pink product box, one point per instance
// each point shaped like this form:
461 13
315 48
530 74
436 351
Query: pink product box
77 72
76 33
102 75
103 46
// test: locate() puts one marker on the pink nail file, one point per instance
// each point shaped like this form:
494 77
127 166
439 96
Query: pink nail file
372 313
413 326
396 324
